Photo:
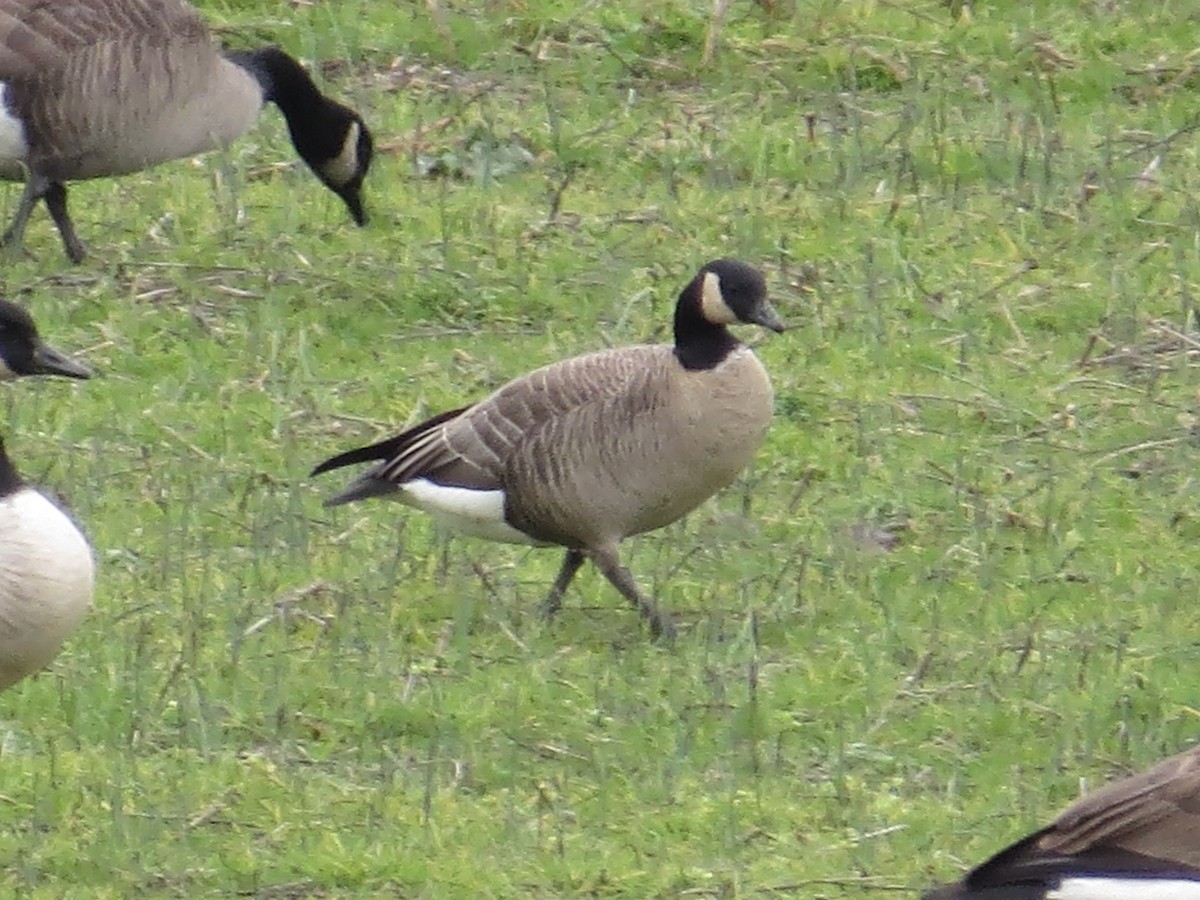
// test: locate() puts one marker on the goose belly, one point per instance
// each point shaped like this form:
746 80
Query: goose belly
465 510
660 502
46 580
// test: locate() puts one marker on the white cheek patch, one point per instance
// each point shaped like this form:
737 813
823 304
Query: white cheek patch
712 301
13 146
341 168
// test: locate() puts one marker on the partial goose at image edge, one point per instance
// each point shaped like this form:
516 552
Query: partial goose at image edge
47 567
1137 838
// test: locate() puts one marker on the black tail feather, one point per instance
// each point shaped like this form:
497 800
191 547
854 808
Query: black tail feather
382 450
386 449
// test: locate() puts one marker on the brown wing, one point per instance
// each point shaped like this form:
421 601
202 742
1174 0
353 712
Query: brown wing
477 448
473 447
1147 825
1155 813
37 37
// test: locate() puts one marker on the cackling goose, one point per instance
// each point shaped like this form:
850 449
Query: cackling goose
46 566
46 573
1134 839
588 451
95 88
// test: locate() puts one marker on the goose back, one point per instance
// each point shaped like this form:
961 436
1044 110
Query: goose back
108 88
1154 813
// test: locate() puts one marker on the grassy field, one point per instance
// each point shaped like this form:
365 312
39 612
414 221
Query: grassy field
956 588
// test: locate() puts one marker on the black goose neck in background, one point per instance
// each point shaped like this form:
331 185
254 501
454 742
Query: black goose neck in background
319 127
10 481
283 80
699 343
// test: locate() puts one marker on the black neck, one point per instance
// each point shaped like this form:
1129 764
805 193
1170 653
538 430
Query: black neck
16 351
284 81
699 344
10 481
317 125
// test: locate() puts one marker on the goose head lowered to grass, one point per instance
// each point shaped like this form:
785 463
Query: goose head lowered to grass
99 88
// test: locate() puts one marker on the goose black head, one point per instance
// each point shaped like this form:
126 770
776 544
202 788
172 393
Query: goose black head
733 292
724 292
331 138
341 156
23 352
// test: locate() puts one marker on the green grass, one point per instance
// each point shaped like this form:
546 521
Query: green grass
984 230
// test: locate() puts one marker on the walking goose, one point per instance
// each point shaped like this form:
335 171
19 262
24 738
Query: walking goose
46 566
588 451
1134 839
96 88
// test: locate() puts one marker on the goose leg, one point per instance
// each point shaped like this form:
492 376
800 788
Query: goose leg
570 565
56 201
609 563
35 187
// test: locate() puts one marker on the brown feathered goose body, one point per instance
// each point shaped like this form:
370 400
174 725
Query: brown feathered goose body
626 434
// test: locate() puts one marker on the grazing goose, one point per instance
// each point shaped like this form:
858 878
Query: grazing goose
585 452
95 88
46 565
1134 839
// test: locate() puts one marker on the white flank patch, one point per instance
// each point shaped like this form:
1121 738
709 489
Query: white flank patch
712 301
477 513
1098 887
46 579
13 146
344 166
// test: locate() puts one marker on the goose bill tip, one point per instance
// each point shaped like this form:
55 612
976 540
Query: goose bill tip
353 201
48 361
768 318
